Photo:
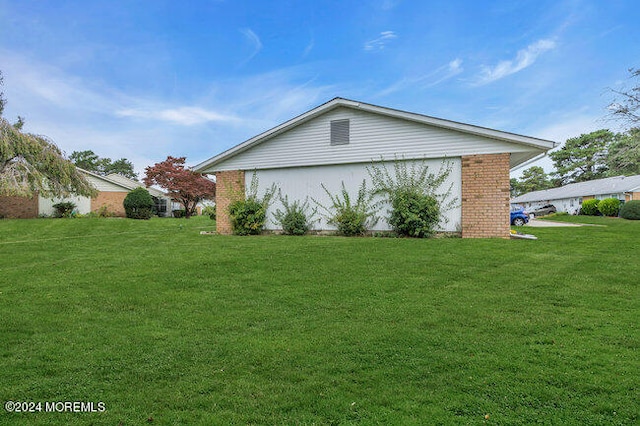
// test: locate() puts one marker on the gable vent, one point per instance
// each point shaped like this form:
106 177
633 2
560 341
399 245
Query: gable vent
339 132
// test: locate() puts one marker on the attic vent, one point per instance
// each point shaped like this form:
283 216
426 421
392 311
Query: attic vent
339 132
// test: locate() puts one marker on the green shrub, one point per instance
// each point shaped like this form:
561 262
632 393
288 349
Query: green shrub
630 210
179 213
64 209
590 207
414 214
248 216
138 204
209 211
294 219
103 211
609 206
415 195
351 219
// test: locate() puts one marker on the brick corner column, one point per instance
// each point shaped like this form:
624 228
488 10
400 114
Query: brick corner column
485 196
229 187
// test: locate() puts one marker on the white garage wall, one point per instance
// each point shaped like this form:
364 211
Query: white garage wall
45 205
301 182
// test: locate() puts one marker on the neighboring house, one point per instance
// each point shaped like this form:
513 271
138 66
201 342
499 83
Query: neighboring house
336 141
112 190
569 198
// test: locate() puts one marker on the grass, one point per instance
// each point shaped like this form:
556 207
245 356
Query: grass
167 326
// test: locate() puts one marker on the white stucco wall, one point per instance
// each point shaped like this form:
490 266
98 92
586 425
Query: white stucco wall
301 182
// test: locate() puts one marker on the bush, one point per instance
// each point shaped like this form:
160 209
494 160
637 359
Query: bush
351 219
416 196
179 213
209 211
414 214
64 209
294 220
138 204
248 216
630 210
590 207
609 206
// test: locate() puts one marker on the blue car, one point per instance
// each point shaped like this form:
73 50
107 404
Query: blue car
518 216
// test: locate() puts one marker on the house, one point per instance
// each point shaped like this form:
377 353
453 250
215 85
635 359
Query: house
569 198
112 190
336 141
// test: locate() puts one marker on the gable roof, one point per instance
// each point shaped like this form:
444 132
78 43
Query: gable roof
535 145
612 185
122 181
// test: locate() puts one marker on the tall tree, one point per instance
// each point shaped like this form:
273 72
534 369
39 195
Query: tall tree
583 158
533 179
31 164
90 161
626 106
183 185
623 157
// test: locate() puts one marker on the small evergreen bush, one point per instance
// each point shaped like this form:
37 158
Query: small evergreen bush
609 206
350 218
138 204
294 219
590 207
64 209
630 210
179 213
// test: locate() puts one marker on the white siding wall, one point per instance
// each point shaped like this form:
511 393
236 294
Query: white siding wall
299 183
45 205
105 186
372 137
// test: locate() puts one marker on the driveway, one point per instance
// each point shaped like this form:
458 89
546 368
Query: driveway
535 223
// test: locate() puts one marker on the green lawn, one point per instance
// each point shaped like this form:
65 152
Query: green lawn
165 325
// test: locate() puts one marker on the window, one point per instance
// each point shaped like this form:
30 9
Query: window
339 132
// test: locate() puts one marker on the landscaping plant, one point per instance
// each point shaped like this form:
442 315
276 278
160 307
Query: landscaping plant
415 195
590 207
609 206
249 215
64 209
630 210
350 218
295 219
138 204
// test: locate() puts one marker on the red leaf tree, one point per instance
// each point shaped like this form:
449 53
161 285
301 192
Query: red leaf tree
182 185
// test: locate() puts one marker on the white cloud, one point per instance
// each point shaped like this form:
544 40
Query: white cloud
254 40
435 77
186 116
524 58
380 42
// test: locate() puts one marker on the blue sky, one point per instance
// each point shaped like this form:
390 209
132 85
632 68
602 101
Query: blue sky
147 79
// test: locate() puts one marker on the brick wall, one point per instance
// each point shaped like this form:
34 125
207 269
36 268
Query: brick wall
113 201
19 207
229 187
485 196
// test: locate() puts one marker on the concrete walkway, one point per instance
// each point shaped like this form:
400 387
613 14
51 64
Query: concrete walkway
535 223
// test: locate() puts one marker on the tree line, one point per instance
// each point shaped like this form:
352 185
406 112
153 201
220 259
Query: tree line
594 155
